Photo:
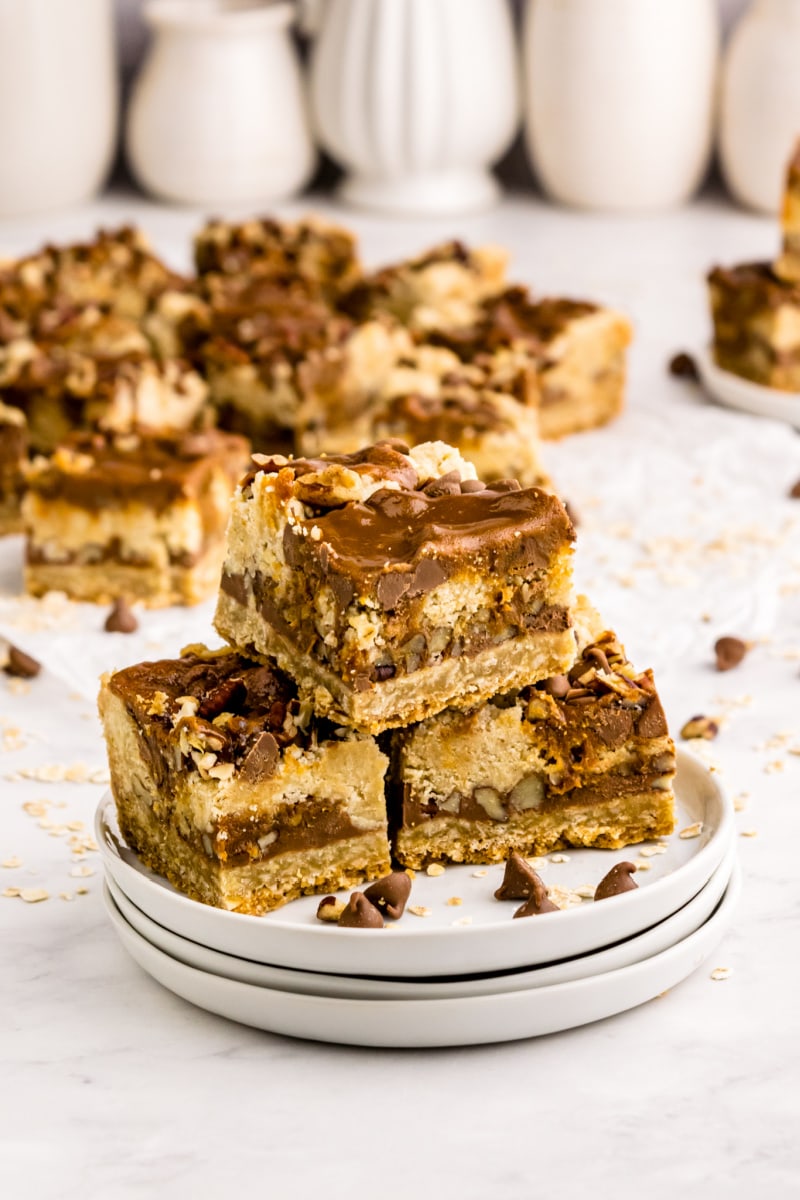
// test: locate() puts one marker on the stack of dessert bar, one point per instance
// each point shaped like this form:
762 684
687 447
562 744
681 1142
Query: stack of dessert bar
755 306
406 677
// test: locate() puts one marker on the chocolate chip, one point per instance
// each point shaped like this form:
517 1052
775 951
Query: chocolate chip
505 485
519 880
729 651
472 485
21 665
445 485
539 902
597 658
557 686
383 671
392 587
121 619
683 366
329 910
617 880
360 914
794 491
262 760
700 727
390 893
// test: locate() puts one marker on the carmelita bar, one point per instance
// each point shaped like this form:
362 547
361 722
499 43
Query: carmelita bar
226 784
391 584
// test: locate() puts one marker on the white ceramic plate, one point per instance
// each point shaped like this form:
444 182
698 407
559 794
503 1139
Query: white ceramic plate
736 392
680 925
476 1020
477 936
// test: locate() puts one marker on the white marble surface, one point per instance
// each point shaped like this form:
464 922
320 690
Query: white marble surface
112 1087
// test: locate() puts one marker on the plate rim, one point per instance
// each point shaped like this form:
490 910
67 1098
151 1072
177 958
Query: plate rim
745 395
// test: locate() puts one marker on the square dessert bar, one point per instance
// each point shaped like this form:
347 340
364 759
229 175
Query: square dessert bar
136 515
576 349
227 785
442 287
492 422
788 264
13 457
756 319
322 256
392 584
584 760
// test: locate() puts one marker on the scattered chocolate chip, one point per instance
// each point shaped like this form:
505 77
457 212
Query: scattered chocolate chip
617 881
519 880
539 902
121 619
700 727
472 485
330 909
572 513
390 894
445 485
683 366
21 665
360 914
557 686
794 491
729 651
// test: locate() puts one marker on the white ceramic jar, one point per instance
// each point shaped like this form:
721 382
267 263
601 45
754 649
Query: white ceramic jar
416 99
620 99
760 110
58 102
218 113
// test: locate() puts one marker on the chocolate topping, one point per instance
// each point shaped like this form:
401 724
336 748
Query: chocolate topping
729 651
538 903
121 619
360 914
519 880
21 665
617 880
390 894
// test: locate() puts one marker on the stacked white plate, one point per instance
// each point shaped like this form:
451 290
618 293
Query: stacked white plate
462 971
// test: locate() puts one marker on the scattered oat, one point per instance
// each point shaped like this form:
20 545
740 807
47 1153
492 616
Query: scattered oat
774 768
65 896
748 833
740 802
12 863
81 872
81 891
11 892
454 901
720 973
691 831
559 858
585 891
419 910
643 865
434 869
33 895
652 851
479 874
536 863
463 921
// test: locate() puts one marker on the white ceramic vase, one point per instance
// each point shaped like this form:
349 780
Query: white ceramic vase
218 113
58 102
620 99
416 99
760 111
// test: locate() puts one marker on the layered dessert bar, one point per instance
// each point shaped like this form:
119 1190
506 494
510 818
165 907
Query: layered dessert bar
440 288
495 430
391 584
576 349
321 256
136 515
581 760
13 457
225 783
788 264
756 319
117 271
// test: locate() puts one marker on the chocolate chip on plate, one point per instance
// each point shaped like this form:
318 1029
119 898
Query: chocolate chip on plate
794 491
519 880
538 902
360 914
617 881
683 366
729 651
390 894
21 665
121 619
